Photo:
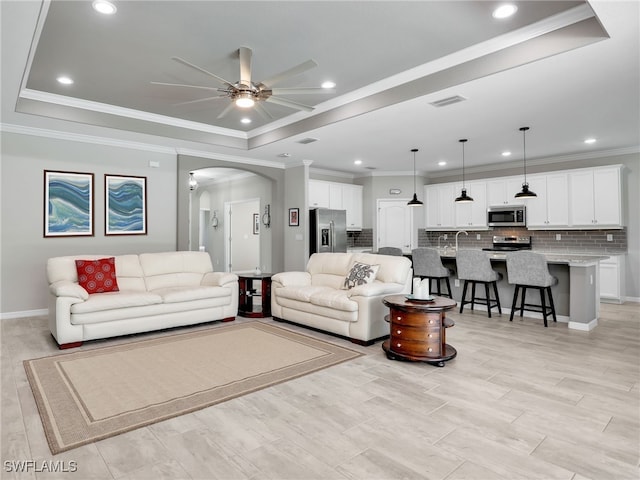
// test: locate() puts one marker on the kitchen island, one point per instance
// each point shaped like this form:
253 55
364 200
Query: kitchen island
576 296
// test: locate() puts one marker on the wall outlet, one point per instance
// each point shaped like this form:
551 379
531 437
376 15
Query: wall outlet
478 236
456 282
445 236
609 237
558 236
154 164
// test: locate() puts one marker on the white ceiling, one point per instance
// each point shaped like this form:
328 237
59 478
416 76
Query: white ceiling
568 69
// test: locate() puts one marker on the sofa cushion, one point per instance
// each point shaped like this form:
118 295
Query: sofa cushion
174 269
360 274
336 299
112 300
187 294
303 293
392 269
97 276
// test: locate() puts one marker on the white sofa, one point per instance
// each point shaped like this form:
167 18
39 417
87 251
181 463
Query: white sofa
316 298
156 291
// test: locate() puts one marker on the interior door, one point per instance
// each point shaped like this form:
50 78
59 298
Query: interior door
243 242
395 225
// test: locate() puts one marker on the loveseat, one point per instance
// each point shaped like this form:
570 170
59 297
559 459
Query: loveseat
153 291
319 297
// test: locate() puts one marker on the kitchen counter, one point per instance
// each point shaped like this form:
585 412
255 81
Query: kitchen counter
576 295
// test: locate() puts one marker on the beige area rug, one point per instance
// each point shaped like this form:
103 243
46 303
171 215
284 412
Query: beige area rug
90 395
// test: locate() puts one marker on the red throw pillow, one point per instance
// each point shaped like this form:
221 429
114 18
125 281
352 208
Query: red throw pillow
97 276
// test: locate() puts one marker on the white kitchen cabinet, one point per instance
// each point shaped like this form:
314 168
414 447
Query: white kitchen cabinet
595 198
501 191
612 279
439 211
550 209
338 196
318 194
472 215
352 203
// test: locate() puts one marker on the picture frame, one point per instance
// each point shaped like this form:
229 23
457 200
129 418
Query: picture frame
256 223
294 217
68 204
125 205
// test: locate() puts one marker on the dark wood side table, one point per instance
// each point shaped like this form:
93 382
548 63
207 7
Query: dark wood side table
418 330
246 306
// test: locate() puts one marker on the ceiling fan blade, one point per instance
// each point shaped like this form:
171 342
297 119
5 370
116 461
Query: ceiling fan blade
301 91
226 110
298 69
245 66
183 85
207 99
260 110
188 64
289 103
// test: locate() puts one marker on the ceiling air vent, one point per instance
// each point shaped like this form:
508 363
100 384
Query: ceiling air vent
448 101
304 141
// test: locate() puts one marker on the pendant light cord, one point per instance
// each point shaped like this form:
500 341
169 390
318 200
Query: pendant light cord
524 150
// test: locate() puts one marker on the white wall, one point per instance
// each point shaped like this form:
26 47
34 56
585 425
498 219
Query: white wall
24 250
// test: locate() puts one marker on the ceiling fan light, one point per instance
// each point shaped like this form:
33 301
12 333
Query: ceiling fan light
245 100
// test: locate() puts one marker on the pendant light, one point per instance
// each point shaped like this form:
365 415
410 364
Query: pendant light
525 192
463 198
414 202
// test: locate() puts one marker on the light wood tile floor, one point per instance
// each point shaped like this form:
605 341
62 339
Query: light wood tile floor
519 402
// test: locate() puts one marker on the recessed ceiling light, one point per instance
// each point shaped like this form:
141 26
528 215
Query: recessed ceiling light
506 154
590 140
284 155
442 163
245 120
357 162
64 80
504 11
328 84
104 7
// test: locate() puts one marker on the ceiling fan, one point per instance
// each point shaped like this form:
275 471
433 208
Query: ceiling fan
246 94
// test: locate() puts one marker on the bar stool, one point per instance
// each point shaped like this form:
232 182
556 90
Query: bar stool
395 251
427 264
474 266
530 270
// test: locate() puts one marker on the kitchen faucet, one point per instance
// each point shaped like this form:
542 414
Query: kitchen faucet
440 237
458 233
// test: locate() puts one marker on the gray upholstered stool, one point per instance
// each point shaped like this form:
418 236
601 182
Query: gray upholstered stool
530 270
427 264
474 266
390 251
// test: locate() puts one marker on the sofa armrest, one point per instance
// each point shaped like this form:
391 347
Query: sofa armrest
288 279
218 279
375 289
65 288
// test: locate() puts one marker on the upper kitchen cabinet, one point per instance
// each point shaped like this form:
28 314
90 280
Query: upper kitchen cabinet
550 209
595 197
439 211
338 196
472 215
501 191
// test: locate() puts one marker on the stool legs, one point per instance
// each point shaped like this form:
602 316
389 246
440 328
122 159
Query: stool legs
542 308
487 300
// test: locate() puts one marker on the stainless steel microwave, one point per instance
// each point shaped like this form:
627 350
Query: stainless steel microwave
507 216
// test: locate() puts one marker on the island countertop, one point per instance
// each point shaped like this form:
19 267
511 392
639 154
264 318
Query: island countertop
564 258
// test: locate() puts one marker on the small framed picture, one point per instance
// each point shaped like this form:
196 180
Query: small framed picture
125 205
256 223
294 217
68 204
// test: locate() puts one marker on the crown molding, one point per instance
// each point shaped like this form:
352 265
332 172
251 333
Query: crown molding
83 138
228 158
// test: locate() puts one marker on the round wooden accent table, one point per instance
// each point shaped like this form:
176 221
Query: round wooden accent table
418 330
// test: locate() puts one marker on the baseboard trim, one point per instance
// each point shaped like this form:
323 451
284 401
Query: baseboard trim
24 314
632 299
584 327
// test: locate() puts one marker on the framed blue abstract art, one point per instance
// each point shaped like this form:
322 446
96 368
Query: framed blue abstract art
125 207
68 204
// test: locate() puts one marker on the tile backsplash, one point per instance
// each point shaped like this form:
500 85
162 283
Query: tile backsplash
582 241
578 241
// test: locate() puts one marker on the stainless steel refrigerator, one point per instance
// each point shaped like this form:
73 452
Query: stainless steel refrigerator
328 230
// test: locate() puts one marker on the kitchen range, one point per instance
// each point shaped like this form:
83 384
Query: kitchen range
509 244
